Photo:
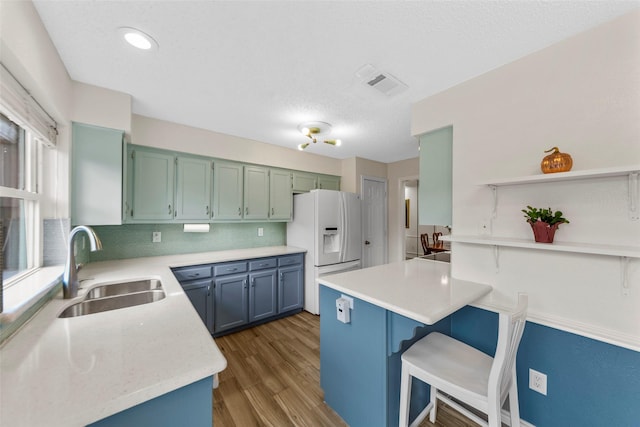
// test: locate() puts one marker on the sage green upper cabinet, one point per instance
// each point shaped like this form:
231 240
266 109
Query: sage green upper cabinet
280 196
256 192
96 175
227 191
193 189
152 184
329 182
435 198
303 182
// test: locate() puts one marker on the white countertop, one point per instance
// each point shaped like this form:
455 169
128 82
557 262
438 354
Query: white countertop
422 290
74 371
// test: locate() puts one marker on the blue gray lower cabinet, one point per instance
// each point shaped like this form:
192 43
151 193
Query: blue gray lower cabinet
234 295
360 361
190 406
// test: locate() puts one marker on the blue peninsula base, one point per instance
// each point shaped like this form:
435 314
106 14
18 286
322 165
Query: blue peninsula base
360 361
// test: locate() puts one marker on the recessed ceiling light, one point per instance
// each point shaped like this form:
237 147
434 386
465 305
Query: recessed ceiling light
137 38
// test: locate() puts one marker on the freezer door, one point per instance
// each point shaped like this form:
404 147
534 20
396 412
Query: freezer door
328 227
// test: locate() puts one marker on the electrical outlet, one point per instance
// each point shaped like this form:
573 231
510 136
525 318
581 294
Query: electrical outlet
260 231
538 381
157 237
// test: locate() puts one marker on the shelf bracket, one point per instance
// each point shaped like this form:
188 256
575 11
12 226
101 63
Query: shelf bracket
496 257
634 210
624 271
494 191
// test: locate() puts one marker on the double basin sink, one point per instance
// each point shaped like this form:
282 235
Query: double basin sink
115 296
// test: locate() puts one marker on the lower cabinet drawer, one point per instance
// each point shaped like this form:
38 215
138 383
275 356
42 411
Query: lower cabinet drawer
290 260
260 264
229 268
192 273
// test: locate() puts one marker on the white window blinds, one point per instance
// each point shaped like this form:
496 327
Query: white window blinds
24 109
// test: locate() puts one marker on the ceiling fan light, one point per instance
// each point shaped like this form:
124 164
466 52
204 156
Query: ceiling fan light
306 131
338 142
303 146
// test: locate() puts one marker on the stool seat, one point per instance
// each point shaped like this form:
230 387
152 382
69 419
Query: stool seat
450 362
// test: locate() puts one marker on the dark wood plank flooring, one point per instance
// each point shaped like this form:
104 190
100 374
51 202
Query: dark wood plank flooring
273 379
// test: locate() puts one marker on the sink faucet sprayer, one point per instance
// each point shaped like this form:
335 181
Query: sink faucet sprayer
70 278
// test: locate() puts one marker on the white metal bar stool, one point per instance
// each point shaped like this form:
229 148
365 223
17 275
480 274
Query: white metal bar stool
458 370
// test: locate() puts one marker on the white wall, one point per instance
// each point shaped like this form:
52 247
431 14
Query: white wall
101 107
581 95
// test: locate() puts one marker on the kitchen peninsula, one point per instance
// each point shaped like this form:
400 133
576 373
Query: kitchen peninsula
394 305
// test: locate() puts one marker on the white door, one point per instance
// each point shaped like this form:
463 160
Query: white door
374 221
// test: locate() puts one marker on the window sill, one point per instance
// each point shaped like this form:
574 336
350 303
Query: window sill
23 296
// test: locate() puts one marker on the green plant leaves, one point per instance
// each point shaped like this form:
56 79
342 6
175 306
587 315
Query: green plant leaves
545 215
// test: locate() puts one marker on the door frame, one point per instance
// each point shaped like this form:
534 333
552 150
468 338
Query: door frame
385 213
399 226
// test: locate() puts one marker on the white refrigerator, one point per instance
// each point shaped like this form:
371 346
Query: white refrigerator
327 224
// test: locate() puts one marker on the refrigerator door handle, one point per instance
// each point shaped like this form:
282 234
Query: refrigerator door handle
343 227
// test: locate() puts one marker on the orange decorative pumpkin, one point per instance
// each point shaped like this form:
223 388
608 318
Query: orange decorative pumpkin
556 162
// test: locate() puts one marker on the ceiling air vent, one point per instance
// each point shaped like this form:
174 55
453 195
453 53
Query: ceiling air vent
383 82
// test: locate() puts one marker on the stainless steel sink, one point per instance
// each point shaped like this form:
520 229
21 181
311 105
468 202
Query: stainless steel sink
115 296
124 288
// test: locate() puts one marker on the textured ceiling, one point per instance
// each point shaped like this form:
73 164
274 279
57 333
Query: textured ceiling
258 69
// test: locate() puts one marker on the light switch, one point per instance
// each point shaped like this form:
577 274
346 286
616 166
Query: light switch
157 237
260 231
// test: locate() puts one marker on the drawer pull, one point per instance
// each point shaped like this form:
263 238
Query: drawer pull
194 275
232 269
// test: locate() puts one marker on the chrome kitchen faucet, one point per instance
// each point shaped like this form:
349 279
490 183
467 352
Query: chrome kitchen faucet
70 277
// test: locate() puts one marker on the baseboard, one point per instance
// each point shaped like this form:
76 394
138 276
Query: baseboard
506 419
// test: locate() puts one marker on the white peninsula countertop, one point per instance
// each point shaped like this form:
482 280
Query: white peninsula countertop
75 371
422 290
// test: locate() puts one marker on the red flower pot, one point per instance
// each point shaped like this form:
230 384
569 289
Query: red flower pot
543 232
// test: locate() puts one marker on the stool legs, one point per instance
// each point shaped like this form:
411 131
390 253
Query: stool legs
405 396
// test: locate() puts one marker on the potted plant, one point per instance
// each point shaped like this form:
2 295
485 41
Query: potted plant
544 223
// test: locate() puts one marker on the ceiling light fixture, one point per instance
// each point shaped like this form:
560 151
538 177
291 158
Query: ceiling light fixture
137 38
315 130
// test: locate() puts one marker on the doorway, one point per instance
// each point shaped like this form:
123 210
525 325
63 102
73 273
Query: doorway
373 195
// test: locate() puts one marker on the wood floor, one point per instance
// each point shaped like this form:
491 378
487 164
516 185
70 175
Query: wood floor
273 379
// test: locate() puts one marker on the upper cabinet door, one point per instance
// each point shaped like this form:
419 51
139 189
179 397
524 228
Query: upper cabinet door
436 149
227 191
303 182
256 192
96 175
326 182
153 185
193 192
280 196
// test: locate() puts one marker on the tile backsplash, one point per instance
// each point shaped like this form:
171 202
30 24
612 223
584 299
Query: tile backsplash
135 240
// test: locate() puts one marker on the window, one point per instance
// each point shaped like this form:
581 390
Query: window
25 128
19 201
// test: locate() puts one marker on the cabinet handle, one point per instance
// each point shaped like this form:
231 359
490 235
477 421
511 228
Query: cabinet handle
245 283
169 208
207 209
209 290
246 210
271 211
253 282
282 277
239 211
